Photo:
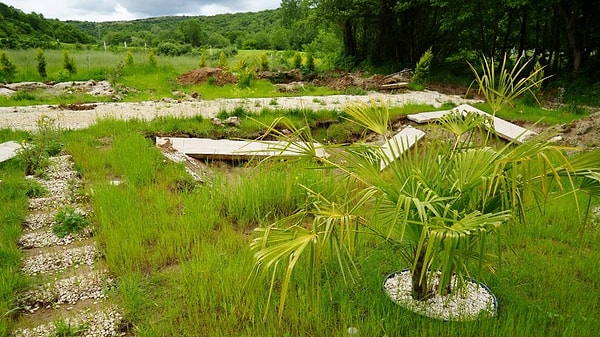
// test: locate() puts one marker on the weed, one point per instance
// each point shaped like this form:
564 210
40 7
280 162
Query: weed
64 329
34 189
69 221
273 101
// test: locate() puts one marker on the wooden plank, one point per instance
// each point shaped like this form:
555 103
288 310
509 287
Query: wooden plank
8 150
400 143
504 129
225 149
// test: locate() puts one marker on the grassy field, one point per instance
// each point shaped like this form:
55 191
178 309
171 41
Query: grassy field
179 250
150 80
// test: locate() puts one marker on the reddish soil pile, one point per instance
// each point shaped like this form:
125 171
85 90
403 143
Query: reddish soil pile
199 76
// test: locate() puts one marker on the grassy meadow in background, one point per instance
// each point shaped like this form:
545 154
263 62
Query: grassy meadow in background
150 79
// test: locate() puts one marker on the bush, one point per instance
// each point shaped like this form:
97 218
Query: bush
297 60
129 59
68 221
263 62
151 58
223 63
69 63
422 71
45 142
202 62
310 63
40 57
7 69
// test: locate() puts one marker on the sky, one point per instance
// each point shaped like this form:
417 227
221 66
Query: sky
116 10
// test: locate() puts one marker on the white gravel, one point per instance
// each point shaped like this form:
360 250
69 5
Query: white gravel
60 259
24 118
469 303
102 323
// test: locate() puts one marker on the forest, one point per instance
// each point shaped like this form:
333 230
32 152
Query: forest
382 34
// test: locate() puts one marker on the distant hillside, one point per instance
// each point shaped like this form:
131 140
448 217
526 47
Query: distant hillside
218 31
242 30
20 30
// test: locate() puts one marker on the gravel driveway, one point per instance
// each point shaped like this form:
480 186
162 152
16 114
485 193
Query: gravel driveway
24 118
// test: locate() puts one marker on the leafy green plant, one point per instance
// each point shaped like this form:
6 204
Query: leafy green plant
7 68
263 62
40 58
64 329
34 189
422 71
223 62
44 143
69 63
129 59
437 205
297 60
501 87
202 61
245 78
310 63
68 221
151 58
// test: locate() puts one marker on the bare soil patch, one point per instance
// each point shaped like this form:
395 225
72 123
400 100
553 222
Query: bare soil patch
202 75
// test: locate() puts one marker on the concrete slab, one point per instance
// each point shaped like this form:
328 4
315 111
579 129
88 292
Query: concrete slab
504 129
8 150
224 149
400 143
426 117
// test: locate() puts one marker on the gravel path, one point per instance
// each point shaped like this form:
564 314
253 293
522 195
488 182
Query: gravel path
24 118
67 271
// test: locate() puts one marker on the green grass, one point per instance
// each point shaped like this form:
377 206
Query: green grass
151 82
13 207
179 249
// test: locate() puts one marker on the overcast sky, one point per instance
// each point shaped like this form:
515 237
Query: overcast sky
113 10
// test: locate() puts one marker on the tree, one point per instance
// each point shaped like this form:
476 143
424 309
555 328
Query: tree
223 62
192 32
40 57
7 69
69 63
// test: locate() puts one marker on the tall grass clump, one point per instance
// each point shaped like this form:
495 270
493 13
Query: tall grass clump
13 207
267 193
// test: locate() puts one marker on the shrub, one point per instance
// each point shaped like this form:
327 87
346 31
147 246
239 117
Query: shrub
129 59
422 71
223 64
263 62
202 62
310 63
69 63
245 78
297 60
7 69
44 143
68 221
40 57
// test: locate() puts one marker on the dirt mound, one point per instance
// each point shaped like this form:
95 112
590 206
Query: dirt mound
201 75
344 81
583 133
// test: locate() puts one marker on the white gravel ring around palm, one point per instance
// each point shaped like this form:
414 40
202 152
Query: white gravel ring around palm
474 301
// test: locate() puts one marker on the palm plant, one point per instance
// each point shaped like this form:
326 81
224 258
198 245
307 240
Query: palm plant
437 203
502 86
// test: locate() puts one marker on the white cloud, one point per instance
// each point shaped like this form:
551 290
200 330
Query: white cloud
114 10
214 9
